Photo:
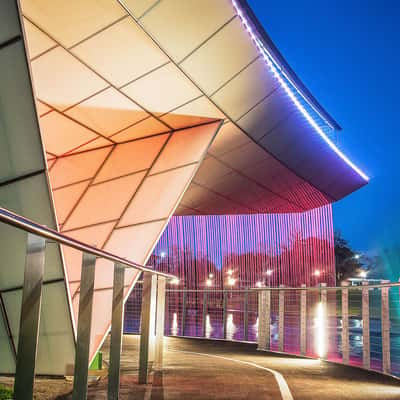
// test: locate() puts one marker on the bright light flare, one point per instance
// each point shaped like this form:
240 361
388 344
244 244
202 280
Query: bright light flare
269 272
175 281
317 272
229 272
259 284
231 281
209 282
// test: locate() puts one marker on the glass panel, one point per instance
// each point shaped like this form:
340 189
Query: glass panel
20 147
7 363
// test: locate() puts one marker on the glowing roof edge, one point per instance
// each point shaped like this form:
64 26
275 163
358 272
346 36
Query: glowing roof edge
282 79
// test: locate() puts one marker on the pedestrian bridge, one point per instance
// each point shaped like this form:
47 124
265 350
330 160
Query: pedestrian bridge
288 343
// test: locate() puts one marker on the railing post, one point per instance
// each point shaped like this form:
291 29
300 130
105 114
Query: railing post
303 320
264 319
84 326
116 332
204 315
159 348
365 325
146 333
30 317
325 330
345 323
183 319
246 315
281 323
385 320
225 312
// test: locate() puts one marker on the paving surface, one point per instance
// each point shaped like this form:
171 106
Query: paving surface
202 369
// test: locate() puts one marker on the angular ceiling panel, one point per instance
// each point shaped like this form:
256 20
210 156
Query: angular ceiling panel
171 87
203 17
131 157
112 54
61 80
228 51
68 21
107 112
38 42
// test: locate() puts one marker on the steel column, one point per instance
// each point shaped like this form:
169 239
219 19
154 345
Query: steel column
183 319
149 280
30 317
246 315
281 323
365 326
204 315
116 332
160 318
385 320
324 298
84 326
303 321
224 312
345 323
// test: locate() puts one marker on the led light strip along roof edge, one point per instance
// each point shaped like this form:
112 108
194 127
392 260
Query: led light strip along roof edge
293 91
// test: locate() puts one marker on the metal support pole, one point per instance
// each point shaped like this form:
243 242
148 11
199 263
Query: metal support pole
159 348
246 315
385 318
30 317
303 321
345 323
116 332
204 315
365 326
225 312
149 280
264 319
324 322
84 326
183 320
281 323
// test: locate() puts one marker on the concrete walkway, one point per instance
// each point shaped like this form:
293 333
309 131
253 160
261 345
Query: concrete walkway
202 369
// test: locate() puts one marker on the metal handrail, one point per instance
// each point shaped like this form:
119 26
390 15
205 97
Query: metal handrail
27 225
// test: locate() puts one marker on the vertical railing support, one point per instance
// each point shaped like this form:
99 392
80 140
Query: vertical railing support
84 326
324 322
281 316
116 332
345 323
30 317
303 321
385 318
365 325
160 318
225 313
183 319
264 315
204 315
146 332
246 315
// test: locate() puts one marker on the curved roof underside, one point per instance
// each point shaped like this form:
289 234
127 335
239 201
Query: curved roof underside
108 72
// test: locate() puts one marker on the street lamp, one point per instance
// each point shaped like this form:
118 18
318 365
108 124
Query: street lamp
211 276
259 284
231 281
209 282
363 274
317 272
175 281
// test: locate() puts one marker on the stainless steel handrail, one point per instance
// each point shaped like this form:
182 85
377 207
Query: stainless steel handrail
27 225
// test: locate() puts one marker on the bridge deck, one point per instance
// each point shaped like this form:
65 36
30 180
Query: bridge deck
202 369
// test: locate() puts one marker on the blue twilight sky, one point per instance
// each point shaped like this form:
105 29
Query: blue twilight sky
347 53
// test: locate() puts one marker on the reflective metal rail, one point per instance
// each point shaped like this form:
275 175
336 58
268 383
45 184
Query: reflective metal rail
152 313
